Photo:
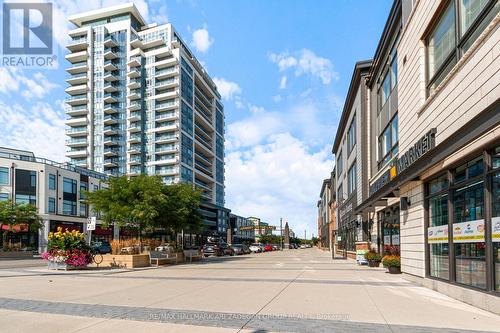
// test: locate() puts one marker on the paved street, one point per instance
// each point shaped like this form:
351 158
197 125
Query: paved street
296 291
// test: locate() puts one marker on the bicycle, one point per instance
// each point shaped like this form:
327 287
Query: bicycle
96 257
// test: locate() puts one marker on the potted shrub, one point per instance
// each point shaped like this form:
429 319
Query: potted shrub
67 250
373 258
393 263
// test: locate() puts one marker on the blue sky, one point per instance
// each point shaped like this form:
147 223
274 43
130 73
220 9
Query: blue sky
283 68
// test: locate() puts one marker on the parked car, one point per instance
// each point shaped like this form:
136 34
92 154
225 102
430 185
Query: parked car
268 248
227 249
240 249
212 249
303 246
102 247
275 247
256 248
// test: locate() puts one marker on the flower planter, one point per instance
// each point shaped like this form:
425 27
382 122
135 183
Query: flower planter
373 263
394 270
125 260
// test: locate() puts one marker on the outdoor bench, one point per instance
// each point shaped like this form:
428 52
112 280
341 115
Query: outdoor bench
160 256
192 254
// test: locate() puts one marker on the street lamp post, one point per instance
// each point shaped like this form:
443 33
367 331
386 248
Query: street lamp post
281 233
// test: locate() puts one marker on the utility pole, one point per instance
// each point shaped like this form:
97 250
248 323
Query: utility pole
281 233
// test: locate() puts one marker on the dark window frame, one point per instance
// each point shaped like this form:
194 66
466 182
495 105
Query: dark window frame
392 152
461 41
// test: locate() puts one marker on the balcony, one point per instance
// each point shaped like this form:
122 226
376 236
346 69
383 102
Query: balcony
204 147
134 106
134 160
202 168
81 142
163 63
110 65
111 141
149 43
202 157
78 67
134 116
134 94
77 90
165 149
203 185
77 56
110 98
134 138
167 95
80 121
164 171
110 162
165 138
134 72
110 87
136 41
76 111
134 83
77 131
134 127
77 79
110 41
78 44
110 53
135 61
111 76
167 72
168 105
76 99
166 126
110 151
110 119
110 130
110 109
77 153
135 171
134 149
166 84
167 116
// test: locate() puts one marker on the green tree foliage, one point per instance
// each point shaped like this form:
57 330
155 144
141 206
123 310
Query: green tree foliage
270 239
12 213
146 202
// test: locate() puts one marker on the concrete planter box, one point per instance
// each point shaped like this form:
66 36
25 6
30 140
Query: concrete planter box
16 254
125 260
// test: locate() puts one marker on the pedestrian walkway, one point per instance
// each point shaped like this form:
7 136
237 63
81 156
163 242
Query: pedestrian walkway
291 291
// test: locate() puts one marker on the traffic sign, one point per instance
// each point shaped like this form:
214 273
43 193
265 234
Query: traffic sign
91 222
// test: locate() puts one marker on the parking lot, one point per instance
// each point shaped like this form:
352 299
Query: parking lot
301 290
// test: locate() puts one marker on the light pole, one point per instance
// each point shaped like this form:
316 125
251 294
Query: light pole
281 233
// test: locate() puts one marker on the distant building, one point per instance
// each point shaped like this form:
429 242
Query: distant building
56 189
243 229
261 228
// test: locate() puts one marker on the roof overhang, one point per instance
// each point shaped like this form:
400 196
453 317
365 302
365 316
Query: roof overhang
97 14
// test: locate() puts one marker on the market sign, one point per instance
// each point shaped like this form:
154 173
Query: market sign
380 182
256 227
422 146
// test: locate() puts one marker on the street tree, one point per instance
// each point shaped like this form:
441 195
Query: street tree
23 215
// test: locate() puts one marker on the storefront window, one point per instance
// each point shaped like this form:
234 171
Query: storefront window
495 220
468 225
437 232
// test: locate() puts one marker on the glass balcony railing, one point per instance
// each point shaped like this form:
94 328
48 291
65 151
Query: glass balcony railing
75 41
167 70
76 129
160 148
76 76
76 141
111 150
76 97
165 137
165 82
166 115
166 104
135 158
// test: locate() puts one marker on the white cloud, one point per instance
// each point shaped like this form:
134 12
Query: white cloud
13 80
281 178
277 98
227 89
304 120
39 129
283 82
307 62
201 40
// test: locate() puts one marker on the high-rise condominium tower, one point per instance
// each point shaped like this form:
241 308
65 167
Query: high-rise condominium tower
140 102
